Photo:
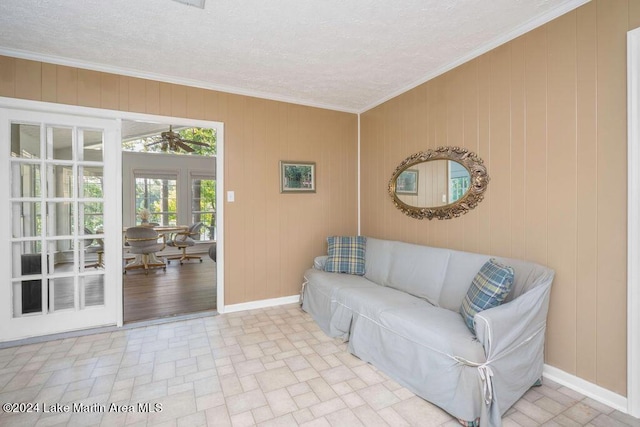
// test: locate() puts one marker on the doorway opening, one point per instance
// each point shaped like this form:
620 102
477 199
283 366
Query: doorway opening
169 192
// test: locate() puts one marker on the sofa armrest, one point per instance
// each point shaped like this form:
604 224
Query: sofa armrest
501 329
319 262
513 338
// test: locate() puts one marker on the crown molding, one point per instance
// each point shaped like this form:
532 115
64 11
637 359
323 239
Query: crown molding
57 60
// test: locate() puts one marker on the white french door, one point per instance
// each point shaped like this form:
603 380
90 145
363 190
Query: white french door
60 224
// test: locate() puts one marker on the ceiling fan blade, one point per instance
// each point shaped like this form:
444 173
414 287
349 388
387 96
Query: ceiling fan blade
155 142
184 146
203 144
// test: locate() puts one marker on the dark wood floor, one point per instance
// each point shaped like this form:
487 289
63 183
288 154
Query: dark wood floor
182 289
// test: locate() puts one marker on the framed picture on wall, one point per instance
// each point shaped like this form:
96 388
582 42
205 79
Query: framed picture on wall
407 182
297 177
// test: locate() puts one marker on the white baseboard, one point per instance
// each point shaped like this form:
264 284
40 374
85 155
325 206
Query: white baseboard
591 390
272 302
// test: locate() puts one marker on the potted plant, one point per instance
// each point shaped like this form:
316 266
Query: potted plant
144 215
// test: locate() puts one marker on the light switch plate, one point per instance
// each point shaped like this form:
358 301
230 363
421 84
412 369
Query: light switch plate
231 196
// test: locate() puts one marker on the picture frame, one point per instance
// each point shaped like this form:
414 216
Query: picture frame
407 182
297 177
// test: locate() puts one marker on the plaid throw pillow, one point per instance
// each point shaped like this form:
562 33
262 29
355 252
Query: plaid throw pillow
488 289
346 254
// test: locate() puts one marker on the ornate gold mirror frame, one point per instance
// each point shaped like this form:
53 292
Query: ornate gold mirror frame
474 195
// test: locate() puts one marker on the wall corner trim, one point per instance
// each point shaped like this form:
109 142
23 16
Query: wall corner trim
586 388
265 303
359 169
633 222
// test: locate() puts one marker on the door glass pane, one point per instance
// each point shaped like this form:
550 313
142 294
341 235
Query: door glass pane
61 146
60 219
60 181
93 217
26 219
60 255
25 180
93 289
91 182
27 297
26 259
25 141
92 255
92 145
62 293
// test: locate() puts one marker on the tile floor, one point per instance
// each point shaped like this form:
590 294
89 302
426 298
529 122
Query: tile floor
268 367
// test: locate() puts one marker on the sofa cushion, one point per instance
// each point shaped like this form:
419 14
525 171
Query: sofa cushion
488 289
378 260
330 283
462 268
346 254
418 270
374 300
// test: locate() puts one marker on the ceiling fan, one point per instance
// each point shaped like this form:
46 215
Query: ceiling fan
172 141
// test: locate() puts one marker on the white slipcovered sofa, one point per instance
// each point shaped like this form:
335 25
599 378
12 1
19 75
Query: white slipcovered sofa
403 317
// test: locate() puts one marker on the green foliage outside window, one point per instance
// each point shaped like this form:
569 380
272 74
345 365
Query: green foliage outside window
204 206
159 197
93 211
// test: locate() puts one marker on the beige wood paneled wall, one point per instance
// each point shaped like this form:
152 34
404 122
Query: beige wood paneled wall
271 238
547 113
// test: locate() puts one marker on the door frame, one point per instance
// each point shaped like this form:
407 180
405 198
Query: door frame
633 223
99 113
219 126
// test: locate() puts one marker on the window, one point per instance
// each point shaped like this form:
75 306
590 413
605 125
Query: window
157 194
459 181
459 187
203 205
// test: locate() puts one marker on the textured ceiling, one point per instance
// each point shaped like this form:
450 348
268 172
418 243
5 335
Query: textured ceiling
343 54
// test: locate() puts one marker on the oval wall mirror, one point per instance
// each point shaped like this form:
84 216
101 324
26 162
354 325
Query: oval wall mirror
443 183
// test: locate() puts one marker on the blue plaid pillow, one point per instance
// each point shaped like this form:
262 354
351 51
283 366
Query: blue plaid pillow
488 289
346 254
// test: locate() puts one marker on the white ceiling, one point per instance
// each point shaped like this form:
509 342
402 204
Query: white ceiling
348 55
